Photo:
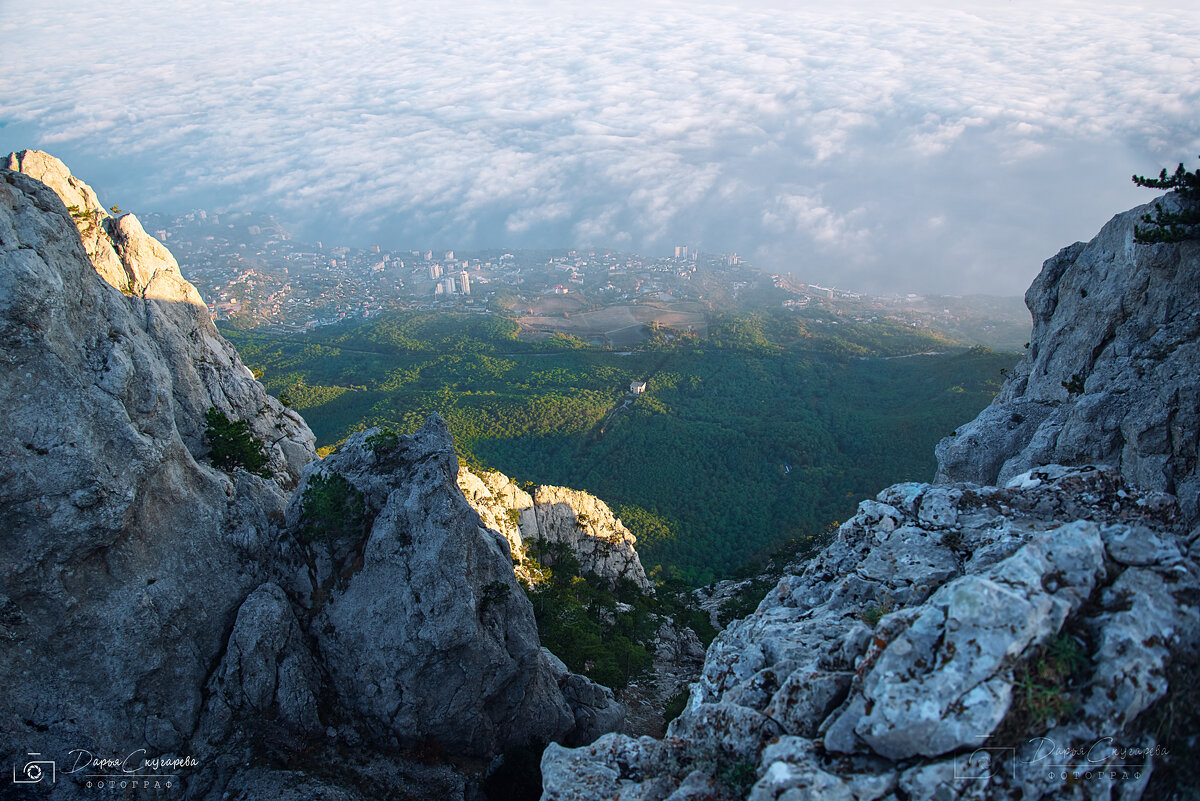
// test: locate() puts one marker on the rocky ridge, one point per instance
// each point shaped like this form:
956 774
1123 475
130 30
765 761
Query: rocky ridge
150 601
1110 373
970 640
206 372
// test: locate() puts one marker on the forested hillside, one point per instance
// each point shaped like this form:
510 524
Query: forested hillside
768 430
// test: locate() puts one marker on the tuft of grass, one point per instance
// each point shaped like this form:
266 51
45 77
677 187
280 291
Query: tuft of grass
1042 682
875 612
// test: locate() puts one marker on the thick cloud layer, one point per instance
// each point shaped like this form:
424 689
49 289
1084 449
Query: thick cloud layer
926 149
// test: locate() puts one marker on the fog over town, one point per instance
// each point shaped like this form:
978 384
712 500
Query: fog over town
926 148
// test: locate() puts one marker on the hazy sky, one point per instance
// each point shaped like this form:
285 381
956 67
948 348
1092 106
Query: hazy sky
928 148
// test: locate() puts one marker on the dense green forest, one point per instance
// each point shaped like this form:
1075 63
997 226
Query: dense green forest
765 431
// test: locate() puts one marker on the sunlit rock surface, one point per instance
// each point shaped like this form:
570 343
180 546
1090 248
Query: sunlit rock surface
551 515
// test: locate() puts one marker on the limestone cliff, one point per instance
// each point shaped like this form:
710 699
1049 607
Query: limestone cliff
971 641
126 557
1110 373
206 372
154 606
556 515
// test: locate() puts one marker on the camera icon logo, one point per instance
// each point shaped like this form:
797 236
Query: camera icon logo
34 771
983 763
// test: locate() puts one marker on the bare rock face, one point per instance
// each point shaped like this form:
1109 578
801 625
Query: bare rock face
267 668
1111 374
206 370
431 637
499 503
126 558
585 524
579 520
935 649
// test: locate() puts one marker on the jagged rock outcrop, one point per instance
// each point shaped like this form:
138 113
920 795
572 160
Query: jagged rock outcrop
922 634
206 371
126 558
427 634
552 515
678 660
267 668
1110 376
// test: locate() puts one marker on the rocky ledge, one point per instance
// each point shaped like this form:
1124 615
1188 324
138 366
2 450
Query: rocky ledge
952 642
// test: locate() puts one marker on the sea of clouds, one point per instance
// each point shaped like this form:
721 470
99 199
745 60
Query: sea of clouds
929 147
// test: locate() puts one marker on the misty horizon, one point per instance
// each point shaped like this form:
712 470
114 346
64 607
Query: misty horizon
931 150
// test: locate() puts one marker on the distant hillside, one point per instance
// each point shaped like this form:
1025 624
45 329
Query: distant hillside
767 430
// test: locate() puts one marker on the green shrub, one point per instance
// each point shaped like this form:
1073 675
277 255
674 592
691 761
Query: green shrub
875 612
1075 385
331 508
385 440
232 446
675 705
1171 226
493 592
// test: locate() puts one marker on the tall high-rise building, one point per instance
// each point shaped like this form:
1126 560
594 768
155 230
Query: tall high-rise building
464 283
435 271
448 285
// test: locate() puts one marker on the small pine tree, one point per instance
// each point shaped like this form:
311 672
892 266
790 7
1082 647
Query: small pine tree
331 508
231 445
1172 226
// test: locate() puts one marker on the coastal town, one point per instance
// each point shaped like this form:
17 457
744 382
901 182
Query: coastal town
253 273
